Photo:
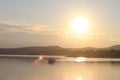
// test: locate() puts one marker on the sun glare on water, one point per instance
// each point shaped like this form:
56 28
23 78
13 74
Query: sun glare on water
80 59
79 78
80 25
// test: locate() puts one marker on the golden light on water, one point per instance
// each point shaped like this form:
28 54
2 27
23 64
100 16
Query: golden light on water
80 25
79 78
80 59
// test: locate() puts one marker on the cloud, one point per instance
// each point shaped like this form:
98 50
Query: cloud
32 29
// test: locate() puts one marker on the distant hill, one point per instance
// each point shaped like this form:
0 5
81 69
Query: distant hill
46 50
89 48
116 47
109 52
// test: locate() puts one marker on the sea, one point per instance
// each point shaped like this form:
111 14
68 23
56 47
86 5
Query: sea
26 69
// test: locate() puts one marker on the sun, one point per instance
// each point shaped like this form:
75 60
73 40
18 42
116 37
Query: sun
80 25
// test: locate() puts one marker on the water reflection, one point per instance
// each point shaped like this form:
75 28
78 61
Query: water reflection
80 59
19 69
79 78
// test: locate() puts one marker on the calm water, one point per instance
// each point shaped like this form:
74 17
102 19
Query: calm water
20 69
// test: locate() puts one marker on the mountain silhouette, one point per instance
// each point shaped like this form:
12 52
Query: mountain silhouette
108 52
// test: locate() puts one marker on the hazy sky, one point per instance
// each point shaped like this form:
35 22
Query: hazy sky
46 22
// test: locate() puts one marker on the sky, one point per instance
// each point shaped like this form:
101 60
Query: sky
47 22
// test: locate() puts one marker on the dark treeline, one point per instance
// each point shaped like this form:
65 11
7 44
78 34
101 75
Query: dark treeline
97 53
55 50
50 50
